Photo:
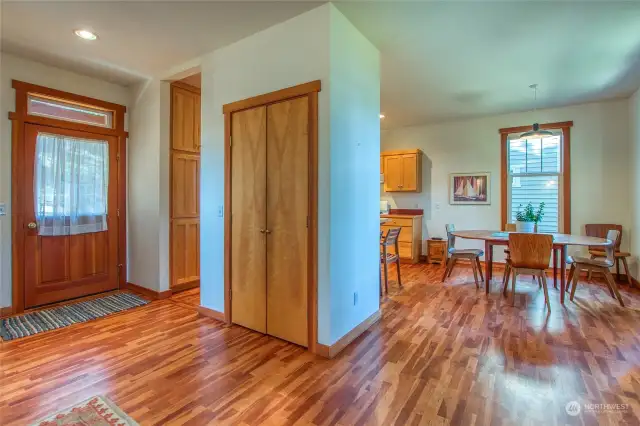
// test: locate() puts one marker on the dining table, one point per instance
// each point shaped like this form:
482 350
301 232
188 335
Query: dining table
560 243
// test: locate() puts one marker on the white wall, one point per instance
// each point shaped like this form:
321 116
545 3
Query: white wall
17 68
355 159
143 202
599 157
295 52
634 176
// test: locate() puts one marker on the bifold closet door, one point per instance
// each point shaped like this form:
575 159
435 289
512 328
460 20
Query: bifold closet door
248 218
287 216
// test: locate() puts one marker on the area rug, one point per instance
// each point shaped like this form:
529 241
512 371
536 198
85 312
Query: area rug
96 411
62 316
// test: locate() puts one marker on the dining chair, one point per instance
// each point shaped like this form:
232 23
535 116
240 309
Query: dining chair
455 254
600 231
509 227
596 265
386 258
530 254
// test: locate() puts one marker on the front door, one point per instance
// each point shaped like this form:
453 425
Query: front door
69 182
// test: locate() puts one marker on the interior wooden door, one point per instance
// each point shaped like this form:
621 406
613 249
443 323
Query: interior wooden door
185 120
409 172
287 219
62 267
393 173
248 218
185 251
186 185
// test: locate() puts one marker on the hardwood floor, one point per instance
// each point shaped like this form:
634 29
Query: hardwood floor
442 354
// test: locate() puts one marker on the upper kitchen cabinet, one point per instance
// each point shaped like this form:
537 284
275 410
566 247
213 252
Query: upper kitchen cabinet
402 170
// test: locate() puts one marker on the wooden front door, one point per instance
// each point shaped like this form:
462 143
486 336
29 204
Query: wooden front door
61 267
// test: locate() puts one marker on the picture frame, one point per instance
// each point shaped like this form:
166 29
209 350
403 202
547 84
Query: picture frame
470 188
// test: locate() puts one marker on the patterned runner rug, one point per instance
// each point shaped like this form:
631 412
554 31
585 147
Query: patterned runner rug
62 316
96 411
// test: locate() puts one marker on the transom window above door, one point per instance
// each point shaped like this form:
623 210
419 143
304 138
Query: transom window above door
68 111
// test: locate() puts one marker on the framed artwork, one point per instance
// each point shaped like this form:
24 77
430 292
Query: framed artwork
470 188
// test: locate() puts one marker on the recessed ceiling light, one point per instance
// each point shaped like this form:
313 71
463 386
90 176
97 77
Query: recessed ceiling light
381 116
85 34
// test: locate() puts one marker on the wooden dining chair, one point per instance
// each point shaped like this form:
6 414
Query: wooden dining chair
598 264
454 254
530 254
386 258
600 231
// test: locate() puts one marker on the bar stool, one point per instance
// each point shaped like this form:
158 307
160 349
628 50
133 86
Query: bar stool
391 240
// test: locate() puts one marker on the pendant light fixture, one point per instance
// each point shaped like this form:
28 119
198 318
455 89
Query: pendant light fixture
536 133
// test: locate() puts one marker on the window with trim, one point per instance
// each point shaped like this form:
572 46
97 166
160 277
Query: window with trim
535 175
537 170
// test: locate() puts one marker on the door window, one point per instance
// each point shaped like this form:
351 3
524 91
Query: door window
71 182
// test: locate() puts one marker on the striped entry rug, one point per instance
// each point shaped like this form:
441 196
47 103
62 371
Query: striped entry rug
62 316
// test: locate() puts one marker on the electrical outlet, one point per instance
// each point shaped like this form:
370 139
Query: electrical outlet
3 209
220 211
355 298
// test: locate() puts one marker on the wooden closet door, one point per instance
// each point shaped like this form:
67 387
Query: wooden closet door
185 125
248 218
287 215
186 185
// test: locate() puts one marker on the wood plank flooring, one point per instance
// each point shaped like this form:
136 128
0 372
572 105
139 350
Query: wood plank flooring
442 354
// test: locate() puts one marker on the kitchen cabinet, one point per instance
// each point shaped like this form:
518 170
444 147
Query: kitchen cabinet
402 170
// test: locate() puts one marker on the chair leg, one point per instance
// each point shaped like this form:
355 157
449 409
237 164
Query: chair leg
474 267
398 270
543 281
505 279
513 287
618 269
614 286
446 270
453 263
540 281
626 271
479 268
572 271
386 278
589 271
576 274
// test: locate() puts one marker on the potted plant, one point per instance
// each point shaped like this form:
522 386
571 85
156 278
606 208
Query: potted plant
527 219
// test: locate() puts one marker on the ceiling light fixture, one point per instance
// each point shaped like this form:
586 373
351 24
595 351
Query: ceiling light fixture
381 116
85 34
536 132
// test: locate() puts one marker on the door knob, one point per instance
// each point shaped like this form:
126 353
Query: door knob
32 225
262 231
267 231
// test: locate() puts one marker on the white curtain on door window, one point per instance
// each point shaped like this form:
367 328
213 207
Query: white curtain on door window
71 180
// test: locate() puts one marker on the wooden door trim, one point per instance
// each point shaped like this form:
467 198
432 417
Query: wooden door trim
19 119
311 90
273 97
186 86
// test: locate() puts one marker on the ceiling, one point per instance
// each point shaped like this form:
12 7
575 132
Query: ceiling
440 60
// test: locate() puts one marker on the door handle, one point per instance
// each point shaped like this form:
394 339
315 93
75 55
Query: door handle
267 231
262 231
32 225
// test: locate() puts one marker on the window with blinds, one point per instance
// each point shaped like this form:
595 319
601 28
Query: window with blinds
535 175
